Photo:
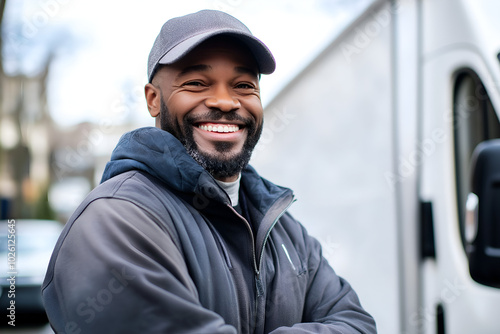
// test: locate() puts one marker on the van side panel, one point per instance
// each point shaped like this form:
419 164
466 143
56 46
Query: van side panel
328 136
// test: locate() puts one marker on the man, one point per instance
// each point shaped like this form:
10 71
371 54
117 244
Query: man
182 236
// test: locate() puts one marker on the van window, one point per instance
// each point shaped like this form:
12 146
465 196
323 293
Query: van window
475 120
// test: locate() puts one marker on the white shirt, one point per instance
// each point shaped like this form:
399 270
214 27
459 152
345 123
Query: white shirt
232 189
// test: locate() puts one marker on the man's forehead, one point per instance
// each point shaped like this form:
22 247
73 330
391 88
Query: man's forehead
250 70
232 50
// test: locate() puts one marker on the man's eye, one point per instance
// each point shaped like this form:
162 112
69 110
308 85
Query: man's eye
194 84
245 86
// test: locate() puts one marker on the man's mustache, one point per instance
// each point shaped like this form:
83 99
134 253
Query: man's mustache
215 115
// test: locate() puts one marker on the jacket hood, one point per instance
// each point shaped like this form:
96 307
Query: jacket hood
160 154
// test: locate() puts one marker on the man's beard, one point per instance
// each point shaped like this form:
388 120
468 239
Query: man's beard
219 167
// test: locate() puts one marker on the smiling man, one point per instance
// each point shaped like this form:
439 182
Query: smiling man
183 236
214 104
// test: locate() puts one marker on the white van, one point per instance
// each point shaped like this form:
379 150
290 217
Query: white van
376 136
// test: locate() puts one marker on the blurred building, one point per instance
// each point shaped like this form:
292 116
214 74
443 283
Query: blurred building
45 170
25 135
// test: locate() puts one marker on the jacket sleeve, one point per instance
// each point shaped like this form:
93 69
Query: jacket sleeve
118 271
331 304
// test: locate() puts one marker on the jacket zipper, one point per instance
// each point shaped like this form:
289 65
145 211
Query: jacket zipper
259 286
257 267
247 224
252 238
258 280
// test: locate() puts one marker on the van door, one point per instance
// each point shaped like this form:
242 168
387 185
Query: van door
458 114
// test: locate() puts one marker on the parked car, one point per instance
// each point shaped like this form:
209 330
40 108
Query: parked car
25 250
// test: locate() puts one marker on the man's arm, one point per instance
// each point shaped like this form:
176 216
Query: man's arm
117 271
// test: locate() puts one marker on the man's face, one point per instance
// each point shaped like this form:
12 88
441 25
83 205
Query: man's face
210 101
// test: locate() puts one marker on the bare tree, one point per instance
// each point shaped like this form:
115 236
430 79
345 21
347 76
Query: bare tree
2 7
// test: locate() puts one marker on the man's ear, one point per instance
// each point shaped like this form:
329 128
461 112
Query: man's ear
153 99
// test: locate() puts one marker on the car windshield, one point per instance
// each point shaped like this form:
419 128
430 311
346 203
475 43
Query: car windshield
30 237
27 243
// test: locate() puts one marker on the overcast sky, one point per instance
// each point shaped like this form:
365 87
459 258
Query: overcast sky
99 48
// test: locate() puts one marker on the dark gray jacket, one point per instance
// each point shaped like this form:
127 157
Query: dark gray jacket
157 248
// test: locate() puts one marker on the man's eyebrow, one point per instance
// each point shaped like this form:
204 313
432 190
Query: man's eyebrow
247 70
204 68
194 68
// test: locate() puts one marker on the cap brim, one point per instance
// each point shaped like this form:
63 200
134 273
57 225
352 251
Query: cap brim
261 53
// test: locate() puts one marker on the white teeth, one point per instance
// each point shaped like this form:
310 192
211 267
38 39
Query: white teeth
219 128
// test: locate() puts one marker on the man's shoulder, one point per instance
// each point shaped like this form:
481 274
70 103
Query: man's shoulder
130 185
137 188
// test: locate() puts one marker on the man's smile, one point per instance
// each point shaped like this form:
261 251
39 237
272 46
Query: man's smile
219 127
211 132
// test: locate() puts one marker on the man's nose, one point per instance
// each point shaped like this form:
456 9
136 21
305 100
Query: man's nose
223 100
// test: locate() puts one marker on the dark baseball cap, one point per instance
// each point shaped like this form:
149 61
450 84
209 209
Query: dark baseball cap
181 35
